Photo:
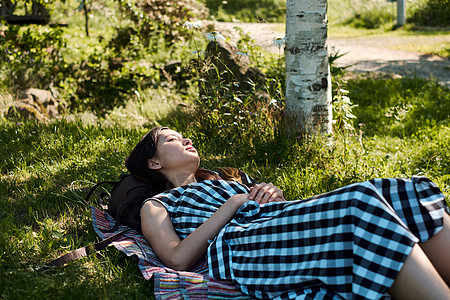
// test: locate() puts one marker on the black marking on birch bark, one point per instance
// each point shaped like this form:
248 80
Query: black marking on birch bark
324 83
294 50
316 87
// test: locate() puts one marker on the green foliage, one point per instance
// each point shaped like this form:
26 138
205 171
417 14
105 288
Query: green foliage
234 115
31 56
100 83
374 18
431 13
381 14
233 121
112 70
126 63
248 10
165 17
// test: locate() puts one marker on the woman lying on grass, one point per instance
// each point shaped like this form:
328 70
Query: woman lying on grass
362 241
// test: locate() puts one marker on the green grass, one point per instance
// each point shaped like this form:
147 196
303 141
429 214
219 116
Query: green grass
44 168
41 219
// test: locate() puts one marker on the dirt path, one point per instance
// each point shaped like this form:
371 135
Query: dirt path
365 54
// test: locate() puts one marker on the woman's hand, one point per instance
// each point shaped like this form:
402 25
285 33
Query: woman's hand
265 193
238 200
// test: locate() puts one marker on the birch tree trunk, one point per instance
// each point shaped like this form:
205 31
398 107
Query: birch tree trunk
308 79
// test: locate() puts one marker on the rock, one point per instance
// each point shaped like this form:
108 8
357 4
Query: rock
36 103
233 65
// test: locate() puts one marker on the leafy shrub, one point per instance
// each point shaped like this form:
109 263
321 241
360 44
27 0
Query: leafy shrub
239 120
110 75
100 83
233 117
30 56
375 18
431 13
166 17
248 10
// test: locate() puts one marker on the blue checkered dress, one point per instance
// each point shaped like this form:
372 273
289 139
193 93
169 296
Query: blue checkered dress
346 244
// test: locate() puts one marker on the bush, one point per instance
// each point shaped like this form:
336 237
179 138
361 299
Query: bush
236 113
164 17
100 83
431 13
30 56
372 19
126 63
248 10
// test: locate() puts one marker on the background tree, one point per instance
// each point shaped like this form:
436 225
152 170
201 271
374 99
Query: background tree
308 81
401 13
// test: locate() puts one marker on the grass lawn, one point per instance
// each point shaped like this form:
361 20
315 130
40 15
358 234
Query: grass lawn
46 168
401 129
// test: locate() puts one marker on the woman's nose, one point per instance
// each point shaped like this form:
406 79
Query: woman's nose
187 142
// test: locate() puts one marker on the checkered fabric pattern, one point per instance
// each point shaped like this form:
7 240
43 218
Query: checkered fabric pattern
168 283
346 244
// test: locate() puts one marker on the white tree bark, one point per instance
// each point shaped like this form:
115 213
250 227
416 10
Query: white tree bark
308 80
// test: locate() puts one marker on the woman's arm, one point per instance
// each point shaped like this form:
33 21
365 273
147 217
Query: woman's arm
183 254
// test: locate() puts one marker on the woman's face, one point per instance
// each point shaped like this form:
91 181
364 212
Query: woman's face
174 152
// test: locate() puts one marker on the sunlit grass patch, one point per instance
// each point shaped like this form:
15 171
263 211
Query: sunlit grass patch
144 109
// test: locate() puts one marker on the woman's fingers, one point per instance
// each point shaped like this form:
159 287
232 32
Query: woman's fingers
257 191
265 192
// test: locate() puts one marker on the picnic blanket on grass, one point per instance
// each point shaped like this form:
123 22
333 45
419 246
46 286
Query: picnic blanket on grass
168 283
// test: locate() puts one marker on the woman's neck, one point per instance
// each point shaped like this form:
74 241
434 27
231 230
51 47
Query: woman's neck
182 179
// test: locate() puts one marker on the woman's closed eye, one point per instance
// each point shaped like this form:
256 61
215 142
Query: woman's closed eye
173 138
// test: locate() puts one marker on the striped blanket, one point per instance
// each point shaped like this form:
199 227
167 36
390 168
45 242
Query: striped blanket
168 283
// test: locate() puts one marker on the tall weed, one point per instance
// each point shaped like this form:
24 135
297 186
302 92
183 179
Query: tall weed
235 115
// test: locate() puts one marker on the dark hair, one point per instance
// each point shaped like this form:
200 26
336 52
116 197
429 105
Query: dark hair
145 149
